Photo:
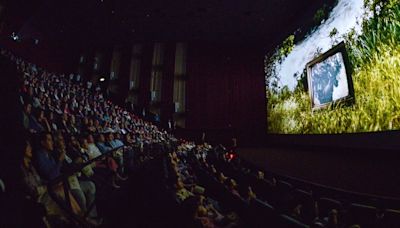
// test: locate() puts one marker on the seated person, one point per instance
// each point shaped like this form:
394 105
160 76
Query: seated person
118 140
209 217
72 127
118 155
210 204
202 216
26 115
250 194
114 142
37 191
222 178
63 125
233 188
330 222
213 170
90 126
260 175
101 144
129 141
52 122
84 191
181 192
105 163
98 126
75 151
42 120
48 167
36 120
296 212
187 177
93 150
129 152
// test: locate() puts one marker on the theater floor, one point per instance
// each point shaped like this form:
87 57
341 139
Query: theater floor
371 172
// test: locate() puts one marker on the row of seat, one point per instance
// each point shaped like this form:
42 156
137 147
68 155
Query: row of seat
313 205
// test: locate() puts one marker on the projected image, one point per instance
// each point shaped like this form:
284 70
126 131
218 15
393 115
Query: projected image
325 78
342 76
328 80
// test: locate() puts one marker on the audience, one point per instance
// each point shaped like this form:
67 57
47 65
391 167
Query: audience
58 108
37 190
48 167
74 129
181 192
233 188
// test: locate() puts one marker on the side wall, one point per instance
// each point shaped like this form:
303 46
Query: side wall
225 89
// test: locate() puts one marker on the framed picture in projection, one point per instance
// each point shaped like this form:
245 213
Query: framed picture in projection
329 78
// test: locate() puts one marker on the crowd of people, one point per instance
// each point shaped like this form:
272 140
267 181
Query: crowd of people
203 209
69 126
220 190
76 141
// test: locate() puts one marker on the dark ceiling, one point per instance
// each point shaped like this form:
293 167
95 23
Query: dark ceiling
121 21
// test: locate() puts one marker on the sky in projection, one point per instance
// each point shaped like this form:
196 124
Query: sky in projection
329 80
347 14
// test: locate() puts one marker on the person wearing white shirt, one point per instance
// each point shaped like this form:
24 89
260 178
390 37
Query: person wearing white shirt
93 151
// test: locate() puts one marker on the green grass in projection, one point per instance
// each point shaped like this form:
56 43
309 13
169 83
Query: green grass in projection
374 54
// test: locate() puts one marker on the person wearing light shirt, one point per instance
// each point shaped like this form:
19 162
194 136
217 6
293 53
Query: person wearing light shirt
107 162
118 156
101 144
93 150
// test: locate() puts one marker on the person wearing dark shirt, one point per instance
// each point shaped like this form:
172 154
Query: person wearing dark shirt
48 167
42 120
26 114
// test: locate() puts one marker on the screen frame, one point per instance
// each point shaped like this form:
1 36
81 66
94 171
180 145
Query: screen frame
350 98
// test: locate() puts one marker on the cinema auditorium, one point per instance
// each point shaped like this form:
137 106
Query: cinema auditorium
209 113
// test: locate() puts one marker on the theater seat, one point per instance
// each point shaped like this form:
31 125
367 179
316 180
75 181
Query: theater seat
364 215
236 204
305 198
285 221
283 190
391 218
261 214
263 190
325 205
284 186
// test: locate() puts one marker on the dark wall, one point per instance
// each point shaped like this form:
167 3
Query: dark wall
50 55
225 89
145 75
383 141
167 90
